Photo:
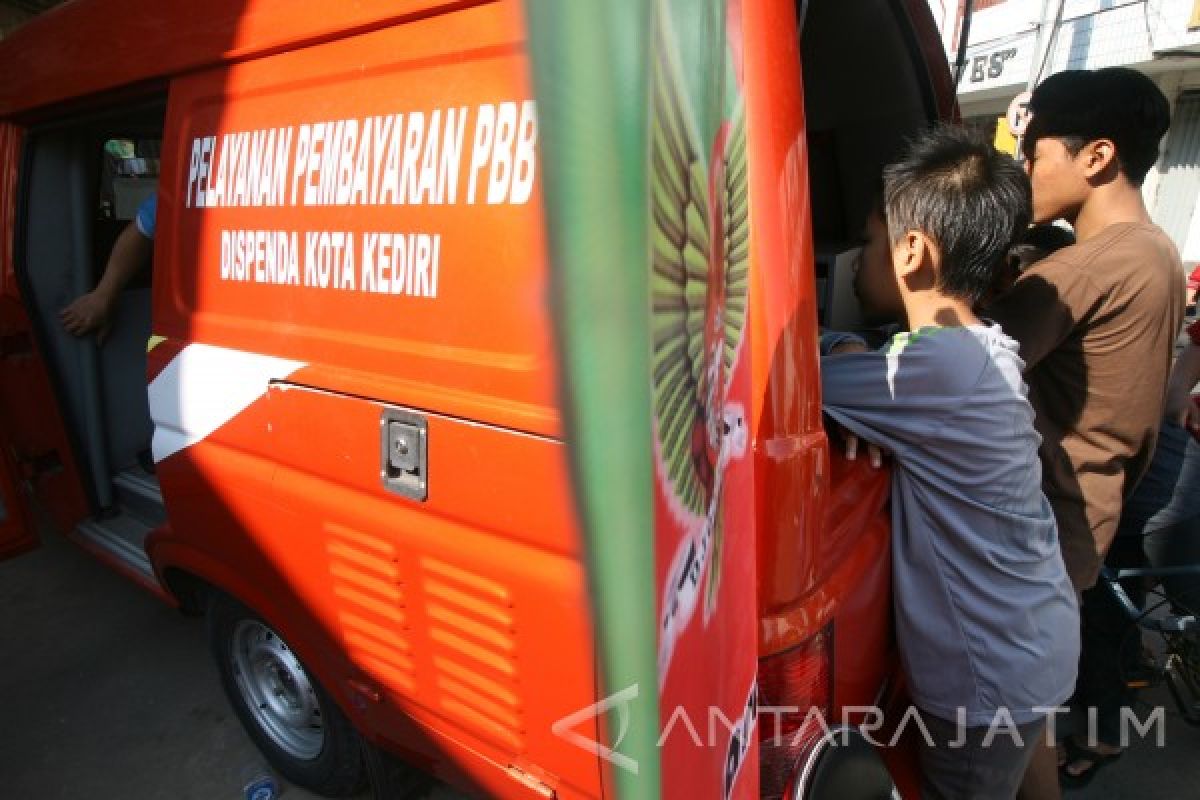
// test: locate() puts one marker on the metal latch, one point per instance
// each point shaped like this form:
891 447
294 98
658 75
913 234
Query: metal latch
405 465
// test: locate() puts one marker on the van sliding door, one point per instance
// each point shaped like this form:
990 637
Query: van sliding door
32 436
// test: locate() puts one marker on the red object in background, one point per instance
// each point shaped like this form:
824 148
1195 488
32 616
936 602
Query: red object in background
1193 281
1193 332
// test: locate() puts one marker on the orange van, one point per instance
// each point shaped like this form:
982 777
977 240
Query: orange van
473 394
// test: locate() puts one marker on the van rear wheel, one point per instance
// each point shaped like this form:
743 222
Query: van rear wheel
290 717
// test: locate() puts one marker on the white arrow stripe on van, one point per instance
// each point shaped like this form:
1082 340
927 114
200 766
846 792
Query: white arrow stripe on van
203 388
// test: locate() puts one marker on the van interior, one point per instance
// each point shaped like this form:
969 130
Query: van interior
82 181
865 91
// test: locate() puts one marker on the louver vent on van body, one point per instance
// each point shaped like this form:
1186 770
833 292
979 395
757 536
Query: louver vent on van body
472 634
371 612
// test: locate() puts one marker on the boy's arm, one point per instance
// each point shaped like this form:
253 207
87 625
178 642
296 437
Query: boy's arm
830 379
839 341
1184 375
1043 307
893 397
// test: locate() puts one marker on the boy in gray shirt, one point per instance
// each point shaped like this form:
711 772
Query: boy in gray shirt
986 618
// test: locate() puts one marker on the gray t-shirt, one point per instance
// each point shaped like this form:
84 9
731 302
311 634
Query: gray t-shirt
986 618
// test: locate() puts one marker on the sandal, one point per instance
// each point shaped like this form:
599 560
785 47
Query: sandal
1076 753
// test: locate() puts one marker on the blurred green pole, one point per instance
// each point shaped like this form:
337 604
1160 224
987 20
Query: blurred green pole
590 65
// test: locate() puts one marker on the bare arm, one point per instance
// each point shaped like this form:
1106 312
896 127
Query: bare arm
835 344
1184 376
91 312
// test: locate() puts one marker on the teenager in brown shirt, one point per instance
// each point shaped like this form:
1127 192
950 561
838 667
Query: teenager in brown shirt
1096 321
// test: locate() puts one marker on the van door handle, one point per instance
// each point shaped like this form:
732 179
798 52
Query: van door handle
404 466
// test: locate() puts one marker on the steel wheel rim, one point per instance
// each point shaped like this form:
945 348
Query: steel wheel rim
277 691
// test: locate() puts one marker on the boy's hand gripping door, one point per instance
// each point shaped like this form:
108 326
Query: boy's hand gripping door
34 450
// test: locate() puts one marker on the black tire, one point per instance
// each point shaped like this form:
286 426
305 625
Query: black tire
329 758
392 779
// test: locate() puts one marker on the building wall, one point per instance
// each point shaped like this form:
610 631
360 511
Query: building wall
1151 35
1158 37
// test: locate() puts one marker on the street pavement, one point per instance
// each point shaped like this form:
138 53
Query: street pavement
1152 769
107 693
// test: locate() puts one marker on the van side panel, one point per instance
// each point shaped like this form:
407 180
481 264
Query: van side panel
344 231
446 609
410 260
824 544
123 45
704 260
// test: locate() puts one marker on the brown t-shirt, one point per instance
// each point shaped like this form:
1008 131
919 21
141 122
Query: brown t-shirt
1096 323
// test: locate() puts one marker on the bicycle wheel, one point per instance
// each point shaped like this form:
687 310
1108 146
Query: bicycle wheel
1182 661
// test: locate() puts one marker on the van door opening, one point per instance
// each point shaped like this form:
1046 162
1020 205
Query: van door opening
82 181
865 94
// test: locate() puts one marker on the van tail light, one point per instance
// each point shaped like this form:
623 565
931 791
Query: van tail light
794 687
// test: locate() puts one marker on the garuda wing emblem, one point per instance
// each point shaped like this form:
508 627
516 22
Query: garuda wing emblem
700 259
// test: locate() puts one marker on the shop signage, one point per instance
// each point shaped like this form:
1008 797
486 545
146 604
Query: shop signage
989 66
1018 114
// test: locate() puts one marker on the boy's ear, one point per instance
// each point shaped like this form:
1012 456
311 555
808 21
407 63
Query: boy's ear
1097 156
912 252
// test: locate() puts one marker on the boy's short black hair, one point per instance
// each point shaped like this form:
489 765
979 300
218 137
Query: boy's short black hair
1116 103
1037 242
1046 237
970 199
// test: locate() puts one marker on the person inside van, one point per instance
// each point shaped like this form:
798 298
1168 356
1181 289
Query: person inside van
132 252
986 618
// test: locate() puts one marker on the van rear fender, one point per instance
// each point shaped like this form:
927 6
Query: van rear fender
190 573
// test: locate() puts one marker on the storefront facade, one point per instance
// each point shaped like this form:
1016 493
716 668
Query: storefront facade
1158 37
